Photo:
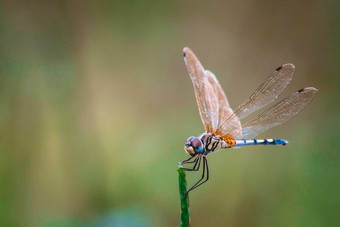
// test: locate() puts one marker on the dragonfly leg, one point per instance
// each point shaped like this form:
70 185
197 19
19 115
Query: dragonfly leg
199 183
188 160
205 161
196 167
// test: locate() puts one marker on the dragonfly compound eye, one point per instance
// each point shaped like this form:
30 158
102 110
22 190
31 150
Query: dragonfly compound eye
189 146
196 143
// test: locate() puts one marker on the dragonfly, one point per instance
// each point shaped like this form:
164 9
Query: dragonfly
223 128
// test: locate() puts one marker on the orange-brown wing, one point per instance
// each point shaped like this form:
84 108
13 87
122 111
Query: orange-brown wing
224 111
207 99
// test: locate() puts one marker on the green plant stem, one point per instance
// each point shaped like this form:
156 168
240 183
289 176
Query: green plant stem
185 209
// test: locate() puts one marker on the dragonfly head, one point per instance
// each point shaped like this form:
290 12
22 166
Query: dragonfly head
193 146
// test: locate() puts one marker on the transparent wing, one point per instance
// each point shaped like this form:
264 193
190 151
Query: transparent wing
204 91
269 90
279 113
232 129
223 104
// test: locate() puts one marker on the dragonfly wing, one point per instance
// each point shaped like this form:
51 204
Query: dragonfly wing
212 102
204 91
269 90
279 113
234 127
223 104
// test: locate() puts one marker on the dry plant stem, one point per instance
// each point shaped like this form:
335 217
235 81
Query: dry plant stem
185 210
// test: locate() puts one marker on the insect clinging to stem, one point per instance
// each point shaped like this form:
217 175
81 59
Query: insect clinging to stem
222 125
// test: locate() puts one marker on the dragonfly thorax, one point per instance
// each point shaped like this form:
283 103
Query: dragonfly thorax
212 142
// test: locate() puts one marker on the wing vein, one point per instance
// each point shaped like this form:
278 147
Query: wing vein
279 113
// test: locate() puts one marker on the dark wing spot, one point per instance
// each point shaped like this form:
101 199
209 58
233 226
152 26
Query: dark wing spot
184 54
279 68
301 90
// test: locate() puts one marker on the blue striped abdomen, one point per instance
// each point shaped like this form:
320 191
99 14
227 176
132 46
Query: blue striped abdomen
244 142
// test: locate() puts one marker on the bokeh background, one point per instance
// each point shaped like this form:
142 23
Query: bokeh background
96 104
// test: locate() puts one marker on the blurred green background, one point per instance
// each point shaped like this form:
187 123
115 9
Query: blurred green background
96 105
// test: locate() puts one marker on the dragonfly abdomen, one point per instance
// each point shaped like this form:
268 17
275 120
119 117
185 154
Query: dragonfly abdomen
244 142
